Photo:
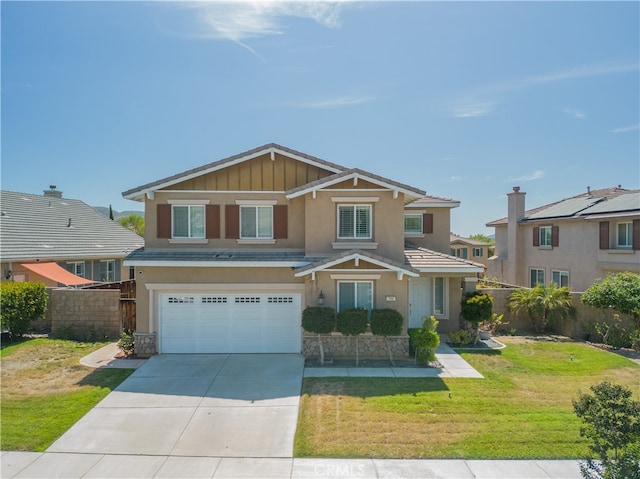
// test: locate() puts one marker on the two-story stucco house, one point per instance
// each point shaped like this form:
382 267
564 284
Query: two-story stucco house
236 249
572 242
467 248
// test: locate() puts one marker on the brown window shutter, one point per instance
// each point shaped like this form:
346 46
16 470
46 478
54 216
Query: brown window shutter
604 235
212 221
163 213
427 223
536 236
636 235
280 222
232 221
555 232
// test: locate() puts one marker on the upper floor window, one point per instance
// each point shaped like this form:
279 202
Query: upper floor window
188 221
545 236
256 222
413 224
354 221
625 235
459 252
561 278
537 277
477 252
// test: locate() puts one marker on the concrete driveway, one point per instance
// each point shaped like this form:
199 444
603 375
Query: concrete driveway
210 405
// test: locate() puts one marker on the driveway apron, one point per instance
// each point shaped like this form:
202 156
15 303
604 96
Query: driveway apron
209 405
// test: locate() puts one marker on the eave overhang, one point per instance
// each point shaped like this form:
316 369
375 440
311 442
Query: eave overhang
356 255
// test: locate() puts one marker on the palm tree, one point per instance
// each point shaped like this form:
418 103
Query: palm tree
542 304
133 222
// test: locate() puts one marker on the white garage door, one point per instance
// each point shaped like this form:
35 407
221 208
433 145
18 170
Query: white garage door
230 323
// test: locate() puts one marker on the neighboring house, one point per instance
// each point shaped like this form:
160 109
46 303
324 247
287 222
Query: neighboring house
236 249
572 242
60 241
467 248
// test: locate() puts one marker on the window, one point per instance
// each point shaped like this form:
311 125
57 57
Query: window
188 221
256 222
624 235
77 268
545 236
355 295
459 252
108 271
354 221
438 296
561 278
537 277
413 224
477 252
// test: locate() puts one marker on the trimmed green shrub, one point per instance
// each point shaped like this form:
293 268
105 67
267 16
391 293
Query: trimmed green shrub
319 319
21 303
461 337
426 340
352 322
476 307
126 344
386 322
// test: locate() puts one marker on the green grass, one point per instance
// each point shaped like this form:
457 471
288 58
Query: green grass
45 391
521 410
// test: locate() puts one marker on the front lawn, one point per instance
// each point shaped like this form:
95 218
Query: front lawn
521 410
45 390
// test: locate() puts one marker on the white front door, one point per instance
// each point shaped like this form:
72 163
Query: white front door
419 300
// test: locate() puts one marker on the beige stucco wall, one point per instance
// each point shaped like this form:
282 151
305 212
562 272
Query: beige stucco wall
440 239
578 253
320 219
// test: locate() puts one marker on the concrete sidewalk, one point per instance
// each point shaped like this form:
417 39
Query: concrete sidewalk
67 465
453 366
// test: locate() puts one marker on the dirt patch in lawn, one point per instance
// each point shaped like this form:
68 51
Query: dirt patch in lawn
51 367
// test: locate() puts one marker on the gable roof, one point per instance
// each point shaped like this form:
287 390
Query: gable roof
357 255
468 241
592 202
429 261
271 148
45 227
354 174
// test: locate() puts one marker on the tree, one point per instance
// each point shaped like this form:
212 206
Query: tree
21 303
319 320
352 322
386 322
133 222
620 291
612 421
542 304
110 213
476 307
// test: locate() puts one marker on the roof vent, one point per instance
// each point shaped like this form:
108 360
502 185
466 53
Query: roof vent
53 192
588 190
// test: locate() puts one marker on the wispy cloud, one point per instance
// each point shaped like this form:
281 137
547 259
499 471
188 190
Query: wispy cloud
536 175
332 103
491 93
473 110
626 129
456 178
573 113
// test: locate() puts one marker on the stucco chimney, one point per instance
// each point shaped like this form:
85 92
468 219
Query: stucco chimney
515 215
53 192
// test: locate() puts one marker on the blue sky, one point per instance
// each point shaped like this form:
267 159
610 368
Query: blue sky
463 100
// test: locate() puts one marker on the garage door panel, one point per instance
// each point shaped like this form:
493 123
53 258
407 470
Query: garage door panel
230 323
